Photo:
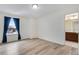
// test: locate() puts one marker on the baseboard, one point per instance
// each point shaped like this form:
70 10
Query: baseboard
62 43
25 38
44 38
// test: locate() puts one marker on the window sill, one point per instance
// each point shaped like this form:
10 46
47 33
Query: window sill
15 33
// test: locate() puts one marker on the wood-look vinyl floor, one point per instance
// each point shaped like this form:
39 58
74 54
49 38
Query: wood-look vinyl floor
36 47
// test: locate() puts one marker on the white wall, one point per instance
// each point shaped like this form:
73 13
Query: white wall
34 27
51 27
1 28
25 27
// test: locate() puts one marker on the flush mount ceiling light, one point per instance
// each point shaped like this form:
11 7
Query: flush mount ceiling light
35 6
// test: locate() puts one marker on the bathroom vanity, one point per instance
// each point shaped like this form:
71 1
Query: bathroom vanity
72 36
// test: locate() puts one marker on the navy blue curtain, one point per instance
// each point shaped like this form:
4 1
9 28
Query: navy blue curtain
6 24
17 24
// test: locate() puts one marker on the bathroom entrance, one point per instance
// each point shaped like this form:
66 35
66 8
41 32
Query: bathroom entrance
72 27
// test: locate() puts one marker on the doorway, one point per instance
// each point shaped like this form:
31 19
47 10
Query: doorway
71 28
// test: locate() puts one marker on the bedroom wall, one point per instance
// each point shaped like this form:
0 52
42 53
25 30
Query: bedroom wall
1 28
34 27
25 27
51 27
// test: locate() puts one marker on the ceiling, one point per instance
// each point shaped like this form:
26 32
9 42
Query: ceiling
44 9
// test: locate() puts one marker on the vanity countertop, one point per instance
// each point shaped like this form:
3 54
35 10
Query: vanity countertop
75 32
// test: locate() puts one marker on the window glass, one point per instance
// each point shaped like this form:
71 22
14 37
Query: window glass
11 27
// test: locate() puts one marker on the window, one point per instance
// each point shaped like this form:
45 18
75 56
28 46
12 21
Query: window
11 28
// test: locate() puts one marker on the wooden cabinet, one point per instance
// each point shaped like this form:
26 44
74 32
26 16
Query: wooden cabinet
71 36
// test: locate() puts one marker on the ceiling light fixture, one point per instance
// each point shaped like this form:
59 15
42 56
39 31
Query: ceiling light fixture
35 6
